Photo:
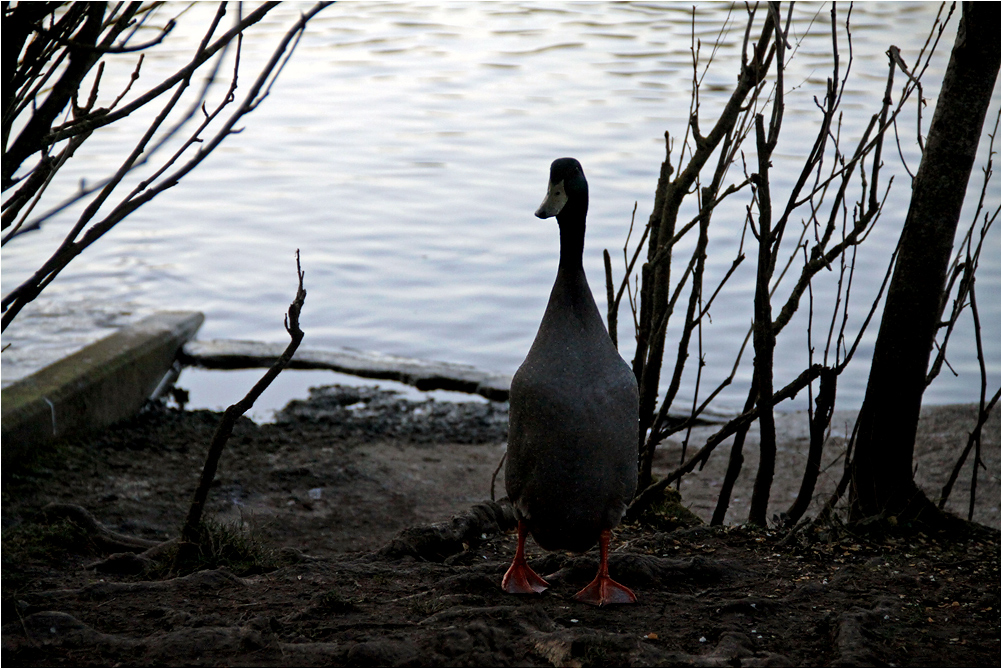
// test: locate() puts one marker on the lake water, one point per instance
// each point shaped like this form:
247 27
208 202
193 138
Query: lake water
404 150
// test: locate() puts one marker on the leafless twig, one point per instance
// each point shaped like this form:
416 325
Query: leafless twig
189 534
40 134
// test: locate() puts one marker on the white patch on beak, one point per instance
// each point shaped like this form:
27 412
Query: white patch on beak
553 203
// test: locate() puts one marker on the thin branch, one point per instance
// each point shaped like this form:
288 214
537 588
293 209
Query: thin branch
649 494
27 291
189 534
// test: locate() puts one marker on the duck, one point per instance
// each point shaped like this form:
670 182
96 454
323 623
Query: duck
571 465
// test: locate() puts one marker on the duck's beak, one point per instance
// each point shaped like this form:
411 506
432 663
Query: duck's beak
553 203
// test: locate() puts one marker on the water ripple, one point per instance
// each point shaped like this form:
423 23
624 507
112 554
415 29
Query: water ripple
404 150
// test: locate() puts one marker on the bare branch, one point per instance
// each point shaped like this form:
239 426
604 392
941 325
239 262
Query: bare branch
161 180
649 494
223 431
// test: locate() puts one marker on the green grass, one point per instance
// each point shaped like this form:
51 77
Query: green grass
48 543
35 543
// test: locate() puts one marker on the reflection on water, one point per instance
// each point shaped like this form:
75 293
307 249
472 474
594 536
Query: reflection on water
404 150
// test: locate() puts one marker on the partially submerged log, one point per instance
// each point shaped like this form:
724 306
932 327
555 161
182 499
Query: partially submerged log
422 374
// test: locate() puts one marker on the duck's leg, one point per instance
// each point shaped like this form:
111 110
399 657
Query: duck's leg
603 590
520 579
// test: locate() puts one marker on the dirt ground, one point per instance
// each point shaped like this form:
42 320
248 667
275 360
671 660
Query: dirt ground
357 530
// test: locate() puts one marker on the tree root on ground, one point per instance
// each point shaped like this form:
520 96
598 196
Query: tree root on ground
438 541
104 537
130 555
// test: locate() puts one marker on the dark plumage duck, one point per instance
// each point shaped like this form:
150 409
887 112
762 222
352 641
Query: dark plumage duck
572 433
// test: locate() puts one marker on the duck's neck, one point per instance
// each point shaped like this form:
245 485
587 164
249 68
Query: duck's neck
572 234
571 296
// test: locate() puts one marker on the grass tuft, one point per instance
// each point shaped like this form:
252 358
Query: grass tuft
219 546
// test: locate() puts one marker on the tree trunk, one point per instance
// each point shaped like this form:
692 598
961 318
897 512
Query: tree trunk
882 482
764 338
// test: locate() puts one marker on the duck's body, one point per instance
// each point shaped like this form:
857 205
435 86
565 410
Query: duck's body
572 435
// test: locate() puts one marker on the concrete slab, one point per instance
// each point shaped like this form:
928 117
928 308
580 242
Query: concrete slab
95 387
422 374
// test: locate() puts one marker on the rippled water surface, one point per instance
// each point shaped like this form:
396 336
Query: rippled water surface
404 149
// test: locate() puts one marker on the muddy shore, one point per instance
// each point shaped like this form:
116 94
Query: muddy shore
343 506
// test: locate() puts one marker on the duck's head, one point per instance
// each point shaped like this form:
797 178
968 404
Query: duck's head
567 193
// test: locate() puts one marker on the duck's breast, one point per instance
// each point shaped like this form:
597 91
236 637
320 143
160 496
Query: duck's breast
572 436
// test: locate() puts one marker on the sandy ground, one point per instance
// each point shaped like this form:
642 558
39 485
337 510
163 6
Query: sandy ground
942 434
427 477
373 546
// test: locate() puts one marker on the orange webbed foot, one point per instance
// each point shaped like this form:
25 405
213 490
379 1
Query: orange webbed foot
603 591
520 579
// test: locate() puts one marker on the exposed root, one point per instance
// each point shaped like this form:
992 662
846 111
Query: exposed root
439 541
103 537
